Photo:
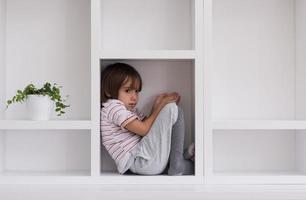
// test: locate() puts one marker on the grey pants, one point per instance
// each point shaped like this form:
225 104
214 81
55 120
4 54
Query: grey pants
152 154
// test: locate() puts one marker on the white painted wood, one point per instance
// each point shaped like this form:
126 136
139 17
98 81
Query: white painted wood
47 41
181 192
2 150
300 81
259 124
109 179
29 174
146 24
153 54
240 66
258 179
257 91
198 90
95 87
2 74
2 55
207 103
45 125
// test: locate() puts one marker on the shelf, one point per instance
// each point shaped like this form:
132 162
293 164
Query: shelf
45 173
259 125
259 173
143 55
45 125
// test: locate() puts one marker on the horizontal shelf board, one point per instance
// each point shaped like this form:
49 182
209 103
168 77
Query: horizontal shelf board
14 173
154 54
260 177
84 177
115 178
45 125
259 173
259 125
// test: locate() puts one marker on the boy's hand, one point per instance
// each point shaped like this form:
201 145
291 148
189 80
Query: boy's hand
173 97
164 99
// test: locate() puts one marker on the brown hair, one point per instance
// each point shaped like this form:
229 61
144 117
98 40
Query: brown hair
114 76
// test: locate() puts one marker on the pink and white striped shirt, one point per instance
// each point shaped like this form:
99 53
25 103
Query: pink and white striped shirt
118 141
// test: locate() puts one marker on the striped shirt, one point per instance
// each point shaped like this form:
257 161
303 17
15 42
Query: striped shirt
117 140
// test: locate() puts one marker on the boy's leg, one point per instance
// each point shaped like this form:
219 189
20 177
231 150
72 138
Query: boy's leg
176 161
177 164
153 151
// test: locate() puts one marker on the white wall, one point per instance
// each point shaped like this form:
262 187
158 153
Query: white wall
254 78
155 24
300 80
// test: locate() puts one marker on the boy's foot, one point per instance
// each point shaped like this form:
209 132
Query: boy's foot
189 153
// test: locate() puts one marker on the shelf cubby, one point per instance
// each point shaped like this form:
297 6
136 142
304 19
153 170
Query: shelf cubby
160 76
257 93
45 153
259 152
147 25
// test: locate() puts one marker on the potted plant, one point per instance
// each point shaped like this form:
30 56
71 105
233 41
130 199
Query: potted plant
40 101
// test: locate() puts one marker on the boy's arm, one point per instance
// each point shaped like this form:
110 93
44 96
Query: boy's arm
142 127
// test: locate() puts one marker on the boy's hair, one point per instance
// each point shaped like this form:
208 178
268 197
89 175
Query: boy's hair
114 76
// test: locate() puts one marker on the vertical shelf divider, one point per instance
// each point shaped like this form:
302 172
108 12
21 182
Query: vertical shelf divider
208 62
95 88
198 75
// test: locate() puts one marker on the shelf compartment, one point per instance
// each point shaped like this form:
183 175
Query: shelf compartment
259 125
161 76
259 152
157 24
45 153
45 125
146 55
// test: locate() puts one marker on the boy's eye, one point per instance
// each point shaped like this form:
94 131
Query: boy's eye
131 90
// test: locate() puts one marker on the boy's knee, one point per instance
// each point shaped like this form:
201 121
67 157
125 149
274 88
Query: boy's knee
172 109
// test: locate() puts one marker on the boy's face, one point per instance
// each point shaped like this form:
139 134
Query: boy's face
128 94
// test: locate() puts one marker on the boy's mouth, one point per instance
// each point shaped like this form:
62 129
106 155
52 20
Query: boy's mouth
132 104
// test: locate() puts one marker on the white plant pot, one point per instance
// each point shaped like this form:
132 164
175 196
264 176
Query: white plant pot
39 107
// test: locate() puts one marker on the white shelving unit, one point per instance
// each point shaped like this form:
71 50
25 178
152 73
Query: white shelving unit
163 40
239 66
257 93
45 41
68 42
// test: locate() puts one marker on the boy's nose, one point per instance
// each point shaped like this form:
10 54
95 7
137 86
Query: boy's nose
134 96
